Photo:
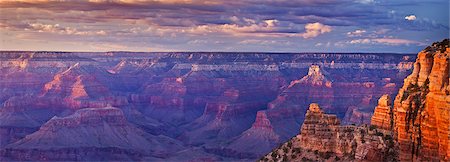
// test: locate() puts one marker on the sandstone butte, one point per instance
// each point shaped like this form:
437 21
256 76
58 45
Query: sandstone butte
415 128
322 138
422 106
382 114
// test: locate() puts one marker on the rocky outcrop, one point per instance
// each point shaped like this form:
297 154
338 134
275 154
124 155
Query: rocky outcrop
258 139
315 77
418 122
317 130
87 134
322 138
382 116
422 106
210 100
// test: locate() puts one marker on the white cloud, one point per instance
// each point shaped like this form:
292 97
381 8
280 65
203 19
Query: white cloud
355 33
365 1
198 41
385 41
315 29
265 42
360 41
255 29
411 17
57 29
394 41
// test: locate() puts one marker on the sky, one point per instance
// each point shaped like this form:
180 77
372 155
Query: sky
397 26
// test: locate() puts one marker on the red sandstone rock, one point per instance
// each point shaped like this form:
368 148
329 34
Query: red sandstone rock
422 106
383 113
323 138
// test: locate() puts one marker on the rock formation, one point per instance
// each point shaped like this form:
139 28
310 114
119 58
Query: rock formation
216 104
258 139
315 77
422 107
418 124
90 133
322 138
382 116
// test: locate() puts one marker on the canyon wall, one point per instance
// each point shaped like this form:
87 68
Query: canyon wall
415 127
322 138
214 105
422 107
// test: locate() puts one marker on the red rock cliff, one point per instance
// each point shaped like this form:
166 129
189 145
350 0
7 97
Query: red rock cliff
422 106
382 115
322 138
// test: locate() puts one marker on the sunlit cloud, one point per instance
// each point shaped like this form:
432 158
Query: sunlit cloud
177 24
57 29
386 41
411 17
356 33
315 29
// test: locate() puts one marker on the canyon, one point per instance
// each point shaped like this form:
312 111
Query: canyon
199 106
414 126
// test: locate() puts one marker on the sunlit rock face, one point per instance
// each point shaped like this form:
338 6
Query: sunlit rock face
215 105
322 138
421 108
414 128
382 116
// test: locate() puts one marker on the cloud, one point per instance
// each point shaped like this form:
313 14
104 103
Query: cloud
393 41
365 1
173 23
360 41
411 17
315 29
386 41
263 28
356 33
57 29
107 46
264 42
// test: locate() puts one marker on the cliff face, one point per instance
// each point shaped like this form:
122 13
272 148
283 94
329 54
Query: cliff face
422 106
417 124
382 117
220 103
322 138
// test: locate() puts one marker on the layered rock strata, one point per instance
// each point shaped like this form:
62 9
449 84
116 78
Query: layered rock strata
419 121
88 134
422 107
382 116
322 138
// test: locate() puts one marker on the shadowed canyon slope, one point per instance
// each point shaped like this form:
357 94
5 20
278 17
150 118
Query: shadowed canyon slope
415 127
180 106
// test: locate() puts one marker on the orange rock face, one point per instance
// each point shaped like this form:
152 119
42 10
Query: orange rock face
382 115
422 106
322 138
316 132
